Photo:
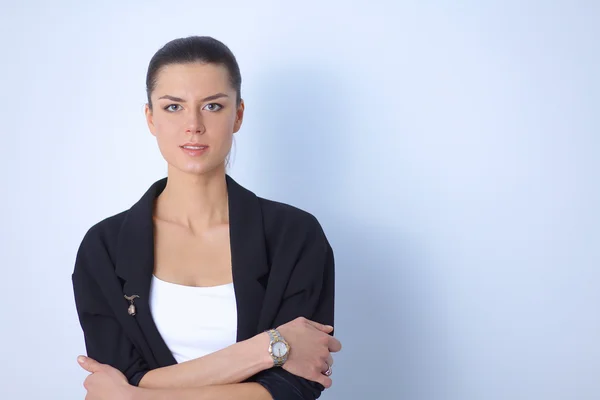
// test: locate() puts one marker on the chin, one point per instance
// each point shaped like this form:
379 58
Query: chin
200 168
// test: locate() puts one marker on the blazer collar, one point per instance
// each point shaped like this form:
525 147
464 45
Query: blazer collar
135 262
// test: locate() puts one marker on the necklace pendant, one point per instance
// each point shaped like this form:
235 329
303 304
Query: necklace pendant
131 310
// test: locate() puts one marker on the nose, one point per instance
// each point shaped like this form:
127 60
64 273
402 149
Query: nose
195 124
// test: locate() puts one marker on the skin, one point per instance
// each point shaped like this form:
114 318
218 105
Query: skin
195 103
194 119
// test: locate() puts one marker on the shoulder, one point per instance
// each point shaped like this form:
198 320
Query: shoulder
289 223
137 217
286 215
100 240
104 230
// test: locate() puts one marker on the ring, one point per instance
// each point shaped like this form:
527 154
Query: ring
329 371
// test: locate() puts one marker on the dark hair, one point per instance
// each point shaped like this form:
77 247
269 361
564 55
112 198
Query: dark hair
202 49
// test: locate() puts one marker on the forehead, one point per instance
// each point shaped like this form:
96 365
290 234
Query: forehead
192 78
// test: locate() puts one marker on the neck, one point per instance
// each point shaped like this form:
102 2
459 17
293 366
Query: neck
194 201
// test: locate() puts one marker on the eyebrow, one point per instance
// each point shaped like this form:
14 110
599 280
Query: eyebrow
180 100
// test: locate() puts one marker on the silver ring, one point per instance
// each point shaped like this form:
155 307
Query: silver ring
329 371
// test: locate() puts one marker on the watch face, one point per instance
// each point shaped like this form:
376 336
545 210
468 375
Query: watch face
279 349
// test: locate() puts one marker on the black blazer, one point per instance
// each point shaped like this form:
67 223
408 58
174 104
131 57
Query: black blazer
283 268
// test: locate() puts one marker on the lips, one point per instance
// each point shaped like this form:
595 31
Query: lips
194 149
194 146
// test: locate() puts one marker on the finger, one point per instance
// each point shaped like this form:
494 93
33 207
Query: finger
324 380
321 327
89 364
334 345
330 360
327 365
88 382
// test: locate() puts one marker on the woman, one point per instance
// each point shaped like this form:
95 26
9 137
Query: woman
202 289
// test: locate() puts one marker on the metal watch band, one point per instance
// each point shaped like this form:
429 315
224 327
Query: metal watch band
275 336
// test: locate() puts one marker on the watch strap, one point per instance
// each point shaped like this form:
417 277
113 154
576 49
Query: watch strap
276 337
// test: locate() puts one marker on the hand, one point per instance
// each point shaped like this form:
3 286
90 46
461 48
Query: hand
311 348
105 382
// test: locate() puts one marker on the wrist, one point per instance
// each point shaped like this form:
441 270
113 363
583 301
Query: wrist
261 343
279 348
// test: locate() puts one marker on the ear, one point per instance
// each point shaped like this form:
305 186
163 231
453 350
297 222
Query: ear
239 116
149 119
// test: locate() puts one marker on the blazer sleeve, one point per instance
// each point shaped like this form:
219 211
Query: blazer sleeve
104 338
309 293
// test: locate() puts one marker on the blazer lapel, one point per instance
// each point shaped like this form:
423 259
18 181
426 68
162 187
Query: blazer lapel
248 257
135 263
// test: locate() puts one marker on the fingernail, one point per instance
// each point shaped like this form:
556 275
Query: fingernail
81 359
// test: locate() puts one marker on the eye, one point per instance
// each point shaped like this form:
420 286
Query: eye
212 107
171 108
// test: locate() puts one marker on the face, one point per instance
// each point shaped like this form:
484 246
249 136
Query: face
194 116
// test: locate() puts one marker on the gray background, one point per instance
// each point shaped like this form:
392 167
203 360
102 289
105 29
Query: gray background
450 150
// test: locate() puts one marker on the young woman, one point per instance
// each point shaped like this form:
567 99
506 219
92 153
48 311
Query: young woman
202 290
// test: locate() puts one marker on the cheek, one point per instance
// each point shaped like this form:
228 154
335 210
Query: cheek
166 134
166 126
220 123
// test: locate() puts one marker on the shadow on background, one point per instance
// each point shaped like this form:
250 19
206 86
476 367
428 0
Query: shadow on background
381 284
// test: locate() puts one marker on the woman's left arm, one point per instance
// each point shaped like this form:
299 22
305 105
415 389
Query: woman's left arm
310 293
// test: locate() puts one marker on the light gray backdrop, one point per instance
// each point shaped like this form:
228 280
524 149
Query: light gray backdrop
450 150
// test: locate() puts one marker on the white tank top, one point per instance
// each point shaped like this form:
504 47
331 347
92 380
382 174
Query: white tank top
194 321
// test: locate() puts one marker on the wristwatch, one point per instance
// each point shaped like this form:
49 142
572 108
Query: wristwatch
279 349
